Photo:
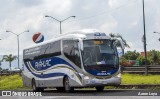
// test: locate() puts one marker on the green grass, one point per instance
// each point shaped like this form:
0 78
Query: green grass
11 82
14 82
140 79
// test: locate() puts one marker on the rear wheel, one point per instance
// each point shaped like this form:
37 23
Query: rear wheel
100 88
67 86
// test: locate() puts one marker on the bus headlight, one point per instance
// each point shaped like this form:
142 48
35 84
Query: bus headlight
86 77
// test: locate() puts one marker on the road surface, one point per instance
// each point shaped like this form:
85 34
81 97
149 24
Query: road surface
91 94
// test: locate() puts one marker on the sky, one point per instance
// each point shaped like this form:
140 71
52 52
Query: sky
110 16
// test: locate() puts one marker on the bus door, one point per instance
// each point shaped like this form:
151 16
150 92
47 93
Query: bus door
72 52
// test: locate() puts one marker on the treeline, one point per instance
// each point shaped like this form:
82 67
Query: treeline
153 58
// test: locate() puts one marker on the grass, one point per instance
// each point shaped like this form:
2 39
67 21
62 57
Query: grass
14 82
140 79
11 82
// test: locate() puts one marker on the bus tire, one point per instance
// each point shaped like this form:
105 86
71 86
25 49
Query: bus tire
100 88
35 88
34 85
67 86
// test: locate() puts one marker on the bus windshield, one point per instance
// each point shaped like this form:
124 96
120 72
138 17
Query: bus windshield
99 55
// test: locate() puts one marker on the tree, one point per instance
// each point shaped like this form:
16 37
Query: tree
124 62
9 58
115 37
131 55
154 56
141 59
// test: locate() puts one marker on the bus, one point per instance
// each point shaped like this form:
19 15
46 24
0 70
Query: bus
73 60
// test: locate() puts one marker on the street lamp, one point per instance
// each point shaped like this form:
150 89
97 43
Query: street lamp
144 39
17 41
60 21
156 32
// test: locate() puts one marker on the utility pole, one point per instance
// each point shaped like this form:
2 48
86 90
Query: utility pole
18 42
144 38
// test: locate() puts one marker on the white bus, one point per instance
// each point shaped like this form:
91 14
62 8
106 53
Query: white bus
72 60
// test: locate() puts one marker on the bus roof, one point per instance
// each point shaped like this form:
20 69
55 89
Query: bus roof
80 34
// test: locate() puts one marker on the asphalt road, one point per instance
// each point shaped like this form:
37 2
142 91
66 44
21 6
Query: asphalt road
92 94
85 97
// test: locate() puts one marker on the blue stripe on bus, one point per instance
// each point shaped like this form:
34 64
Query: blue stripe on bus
54 61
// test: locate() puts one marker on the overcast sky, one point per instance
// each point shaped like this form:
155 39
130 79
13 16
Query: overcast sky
116 16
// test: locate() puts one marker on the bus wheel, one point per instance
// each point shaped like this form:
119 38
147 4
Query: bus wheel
100 88
35 88
67 86
34 85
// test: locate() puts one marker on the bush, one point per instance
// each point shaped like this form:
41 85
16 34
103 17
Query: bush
154 56
124 62
141 59
131 55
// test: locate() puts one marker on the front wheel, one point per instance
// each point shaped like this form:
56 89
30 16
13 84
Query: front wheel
35 88
100 88
67 86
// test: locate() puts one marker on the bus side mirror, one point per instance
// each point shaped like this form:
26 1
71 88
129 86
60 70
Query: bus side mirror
80 45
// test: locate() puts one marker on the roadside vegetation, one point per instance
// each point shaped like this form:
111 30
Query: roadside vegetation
153 58
9 58
10 82
14 82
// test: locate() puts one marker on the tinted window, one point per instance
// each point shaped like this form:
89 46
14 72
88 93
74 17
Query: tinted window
54 49
71 51
45 51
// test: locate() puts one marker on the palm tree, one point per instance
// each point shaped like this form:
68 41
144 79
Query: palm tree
9 58
115 37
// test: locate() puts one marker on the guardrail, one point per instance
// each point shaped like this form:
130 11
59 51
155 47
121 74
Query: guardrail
140 69
9 73
124 69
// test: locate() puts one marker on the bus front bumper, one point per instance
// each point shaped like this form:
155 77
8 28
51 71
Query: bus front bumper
102 82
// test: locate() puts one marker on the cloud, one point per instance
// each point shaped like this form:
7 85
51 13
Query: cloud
116 16
28 3
109 25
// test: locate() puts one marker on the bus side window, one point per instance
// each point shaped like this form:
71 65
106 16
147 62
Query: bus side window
49 50
54 49
71 51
